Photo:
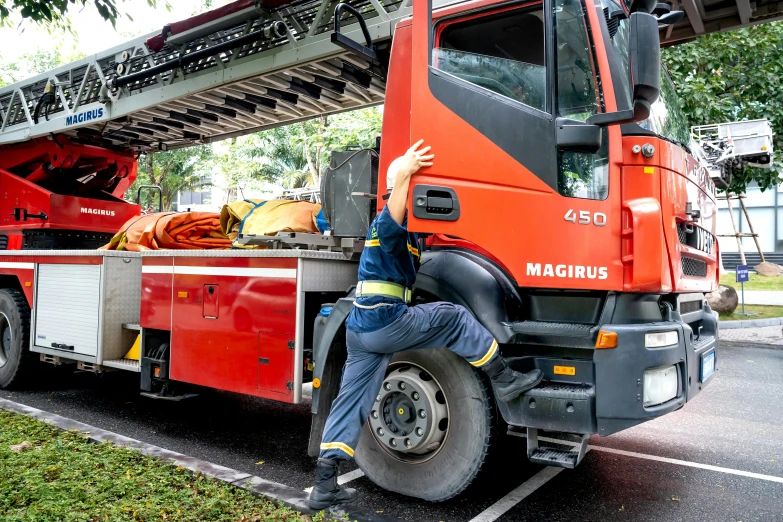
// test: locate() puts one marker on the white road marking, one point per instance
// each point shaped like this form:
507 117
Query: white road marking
667 460
347 477
496 510
351 475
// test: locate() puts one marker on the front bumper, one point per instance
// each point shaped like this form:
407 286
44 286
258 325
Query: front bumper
605 395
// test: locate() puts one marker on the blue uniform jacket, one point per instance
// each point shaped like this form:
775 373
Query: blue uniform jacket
391 254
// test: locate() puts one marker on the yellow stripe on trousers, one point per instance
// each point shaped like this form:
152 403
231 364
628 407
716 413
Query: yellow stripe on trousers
337 445
492 350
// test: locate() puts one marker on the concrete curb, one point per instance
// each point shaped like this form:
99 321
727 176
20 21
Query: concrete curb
750 323
292 497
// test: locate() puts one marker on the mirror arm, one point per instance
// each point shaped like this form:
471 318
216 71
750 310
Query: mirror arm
640 111
577 136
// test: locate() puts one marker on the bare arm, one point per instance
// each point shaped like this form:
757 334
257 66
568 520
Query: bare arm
402 169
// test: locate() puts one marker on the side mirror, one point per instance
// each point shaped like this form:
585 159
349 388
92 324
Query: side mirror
645 60
577 136
645 57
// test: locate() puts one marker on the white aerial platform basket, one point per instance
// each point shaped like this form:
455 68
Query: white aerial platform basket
723 148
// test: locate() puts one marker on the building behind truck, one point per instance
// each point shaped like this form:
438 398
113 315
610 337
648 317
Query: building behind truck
583 241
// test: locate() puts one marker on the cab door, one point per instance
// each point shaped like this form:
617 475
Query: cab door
491 84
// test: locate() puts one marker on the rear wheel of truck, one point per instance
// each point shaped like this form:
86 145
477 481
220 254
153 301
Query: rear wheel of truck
15 355
430 428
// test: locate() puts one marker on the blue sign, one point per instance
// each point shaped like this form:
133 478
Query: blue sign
742 273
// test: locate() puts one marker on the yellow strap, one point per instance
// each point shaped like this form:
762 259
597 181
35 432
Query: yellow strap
484 360
384 288
337 445
413 250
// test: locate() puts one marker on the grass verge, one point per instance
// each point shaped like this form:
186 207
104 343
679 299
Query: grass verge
761 311
64 477
756 282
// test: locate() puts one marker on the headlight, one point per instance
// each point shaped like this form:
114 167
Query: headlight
660 339
660 385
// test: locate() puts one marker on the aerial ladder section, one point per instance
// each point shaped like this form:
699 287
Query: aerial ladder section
248 66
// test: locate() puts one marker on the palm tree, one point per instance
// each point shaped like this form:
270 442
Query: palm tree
281 158
173 171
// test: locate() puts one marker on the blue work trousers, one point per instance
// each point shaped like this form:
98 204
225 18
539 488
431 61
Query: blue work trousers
432 325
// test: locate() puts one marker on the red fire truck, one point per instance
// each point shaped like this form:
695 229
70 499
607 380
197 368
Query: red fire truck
564 211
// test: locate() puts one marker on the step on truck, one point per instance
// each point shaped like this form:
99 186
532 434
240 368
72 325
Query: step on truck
564 212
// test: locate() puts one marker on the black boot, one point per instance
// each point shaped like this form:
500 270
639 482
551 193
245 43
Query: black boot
326 491
507 383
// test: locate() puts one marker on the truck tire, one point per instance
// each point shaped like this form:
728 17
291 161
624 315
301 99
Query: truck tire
15 355
442 462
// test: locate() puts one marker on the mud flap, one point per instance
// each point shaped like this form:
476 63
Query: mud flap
329 355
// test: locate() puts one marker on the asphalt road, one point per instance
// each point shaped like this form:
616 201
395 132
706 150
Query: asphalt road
719 458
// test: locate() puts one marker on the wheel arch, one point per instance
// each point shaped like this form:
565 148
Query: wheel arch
12 281
473 281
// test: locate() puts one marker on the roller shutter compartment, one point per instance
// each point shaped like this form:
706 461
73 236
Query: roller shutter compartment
67 308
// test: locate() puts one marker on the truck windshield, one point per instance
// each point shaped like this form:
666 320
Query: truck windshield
666 117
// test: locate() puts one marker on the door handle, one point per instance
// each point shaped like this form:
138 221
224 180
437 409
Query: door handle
435 202
440 204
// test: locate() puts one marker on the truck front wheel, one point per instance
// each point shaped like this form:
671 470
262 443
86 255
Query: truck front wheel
430 427
15 356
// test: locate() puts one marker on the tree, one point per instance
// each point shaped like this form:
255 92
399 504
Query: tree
53 14
279 156
173 171
732 76
39 61
297 155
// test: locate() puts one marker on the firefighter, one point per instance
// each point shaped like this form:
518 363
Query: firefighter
381 324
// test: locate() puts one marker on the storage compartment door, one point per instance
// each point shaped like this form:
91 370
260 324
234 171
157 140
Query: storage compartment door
67 308
275 362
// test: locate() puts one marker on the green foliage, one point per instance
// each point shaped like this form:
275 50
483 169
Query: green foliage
39 61
732 76
173 171
66 478
756 282
53 14
293 156
296 155
274 156
758 311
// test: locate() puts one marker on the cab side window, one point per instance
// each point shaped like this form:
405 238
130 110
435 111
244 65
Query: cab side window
503 53
580 175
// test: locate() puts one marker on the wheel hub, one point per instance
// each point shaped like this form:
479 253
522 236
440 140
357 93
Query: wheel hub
410 414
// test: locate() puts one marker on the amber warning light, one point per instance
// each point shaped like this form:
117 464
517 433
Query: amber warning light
606 340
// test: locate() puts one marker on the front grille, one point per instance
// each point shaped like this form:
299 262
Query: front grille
690 306
694 267
696 237
3 242
682 234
